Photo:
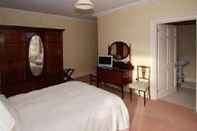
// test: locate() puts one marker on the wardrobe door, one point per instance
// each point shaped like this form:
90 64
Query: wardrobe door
35 55
15 61
2 59
54 55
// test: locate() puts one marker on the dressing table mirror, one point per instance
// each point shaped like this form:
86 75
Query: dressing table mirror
119 50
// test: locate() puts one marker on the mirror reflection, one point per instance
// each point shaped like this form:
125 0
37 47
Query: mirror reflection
36 55
119 50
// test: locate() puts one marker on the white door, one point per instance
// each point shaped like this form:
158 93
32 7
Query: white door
166 38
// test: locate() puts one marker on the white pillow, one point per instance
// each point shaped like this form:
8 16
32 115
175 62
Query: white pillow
3 98
7 121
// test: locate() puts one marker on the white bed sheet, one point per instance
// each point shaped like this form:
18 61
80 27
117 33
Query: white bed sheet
71 106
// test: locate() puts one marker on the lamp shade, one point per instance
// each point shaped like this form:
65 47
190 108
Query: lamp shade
84 5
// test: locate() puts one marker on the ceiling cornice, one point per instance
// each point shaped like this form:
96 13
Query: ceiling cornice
99 14
107 12
80 19
65 17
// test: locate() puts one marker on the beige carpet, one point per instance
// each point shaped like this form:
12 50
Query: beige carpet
156 115
185 97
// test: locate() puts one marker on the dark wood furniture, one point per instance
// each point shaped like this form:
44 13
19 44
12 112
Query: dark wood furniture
16 76
93 78
119 77
121 73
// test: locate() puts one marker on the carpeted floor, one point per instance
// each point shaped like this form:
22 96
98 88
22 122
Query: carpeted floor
156 115
185 97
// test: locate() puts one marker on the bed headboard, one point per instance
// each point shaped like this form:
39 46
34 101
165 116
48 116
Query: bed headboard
16 69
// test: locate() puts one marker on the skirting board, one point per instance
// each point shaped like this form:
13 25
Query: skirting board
188 84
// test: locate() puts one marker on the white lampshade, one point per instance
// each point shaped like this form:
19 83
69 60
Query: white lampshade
84 5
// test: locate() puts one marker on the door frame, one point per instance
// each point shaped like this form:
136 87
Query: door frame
154 50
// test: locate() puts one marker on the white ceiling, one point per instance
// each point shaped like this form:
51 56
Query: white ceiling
64 7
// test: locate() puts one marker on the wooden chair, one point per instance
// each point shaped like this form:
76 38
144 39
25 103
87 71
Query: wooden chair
142 83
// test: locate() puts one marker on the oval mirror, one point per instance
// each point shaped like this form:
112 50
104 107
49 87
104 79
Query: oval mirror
119 50
36 55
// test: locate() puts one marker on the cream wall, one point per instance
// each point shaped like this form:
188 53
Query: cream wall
79 38
132 24
186 49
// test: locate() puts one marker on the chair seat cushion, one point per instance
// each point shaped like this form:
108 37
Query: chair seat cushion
139 85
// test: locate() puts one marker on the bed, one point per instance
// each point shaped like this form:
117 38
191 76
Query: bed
71 106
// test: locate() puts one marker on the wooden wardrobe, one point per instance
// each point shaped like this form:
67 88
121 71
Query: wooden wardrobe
15 74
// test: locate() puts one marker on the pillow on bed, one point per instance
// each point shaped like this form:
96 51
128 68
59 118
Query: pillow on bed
7 121
3 99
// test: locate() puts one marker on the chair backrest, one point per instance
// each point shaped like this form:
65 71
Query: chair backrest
143 72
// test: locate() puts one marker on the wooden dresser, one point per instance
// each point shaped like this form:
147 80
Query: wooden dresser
16 76
119 77
121 72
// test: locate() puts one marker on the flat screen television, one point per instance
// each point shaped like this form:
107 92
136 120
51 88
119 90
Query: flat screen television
105 61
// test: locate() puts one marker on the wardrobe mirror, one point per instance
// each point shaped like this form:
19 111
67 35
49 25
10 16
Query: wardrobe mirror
36 55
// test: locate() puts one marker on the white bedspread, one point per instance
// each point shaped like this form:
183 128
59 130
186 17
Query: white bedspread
71 106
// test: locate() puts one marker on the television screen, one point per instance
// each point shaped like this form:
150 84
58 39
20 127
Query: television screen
105 61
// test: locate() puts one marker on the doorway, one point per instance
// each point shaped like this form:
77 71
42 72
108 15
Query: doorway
168 82
183 63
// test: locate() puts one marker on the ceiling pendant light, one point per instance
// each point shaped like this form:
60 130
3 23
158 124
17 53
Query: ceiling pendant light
84 5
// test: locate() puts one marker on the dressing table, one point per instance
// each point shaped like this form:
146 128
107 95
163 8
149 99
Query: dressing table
121 72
